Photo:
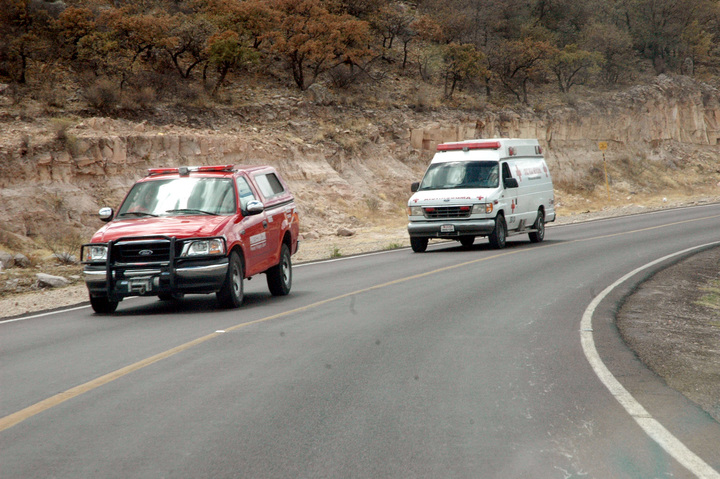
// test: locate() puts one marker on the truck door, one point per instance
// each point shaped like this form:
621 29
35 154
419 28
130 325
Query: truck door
275 202
252 230
510 196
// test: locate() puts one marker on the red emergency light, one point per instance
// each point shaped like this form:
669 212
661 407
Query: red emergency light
470 145
184 170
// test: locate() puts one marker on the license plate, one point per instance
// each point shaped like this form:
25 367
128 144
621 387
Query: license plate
447 228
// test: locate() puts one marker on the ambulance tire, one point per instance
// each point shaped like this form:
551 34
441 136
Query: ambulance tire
499 234
418 245
538 235
231 294
467 241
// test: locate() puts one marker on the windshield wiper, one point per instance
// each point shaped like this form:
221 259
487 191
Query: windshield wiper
191 211
137 213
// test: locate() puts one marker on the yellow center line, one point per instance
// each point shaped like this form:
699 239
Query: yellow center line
20 416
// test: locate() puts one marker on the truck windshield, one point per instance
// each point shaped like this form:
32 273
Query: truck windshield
180 196
460 174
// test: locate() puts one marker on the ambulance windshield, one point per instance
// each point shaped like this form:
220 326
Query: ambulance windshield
460 174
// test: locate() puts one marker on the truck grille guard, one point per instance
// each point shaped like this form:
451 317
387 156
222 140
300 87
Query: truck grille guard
167 265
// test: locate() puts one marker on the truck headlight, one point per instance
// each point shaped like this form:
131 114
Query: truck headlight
94 253
214 246
482 208
415 211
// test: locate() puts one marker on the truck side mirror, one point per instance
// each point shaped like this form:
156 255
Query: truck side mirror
254 207
510 182
105 214
415 186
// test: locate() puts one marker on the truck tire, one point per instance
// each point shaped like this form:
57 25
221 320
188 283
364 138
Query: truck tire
539 235
279 277
170 296
499 233
102 305
418 245
231 294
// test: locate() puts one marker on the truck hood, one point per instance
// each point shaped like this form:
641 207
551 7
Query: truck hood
455 197
177 226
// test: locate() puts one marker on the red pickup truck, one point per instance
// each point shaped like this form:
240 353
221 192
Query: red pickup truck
194 230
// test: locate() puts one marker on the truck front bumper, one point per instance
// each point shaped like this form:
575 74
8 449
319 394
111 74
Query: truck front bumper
119 281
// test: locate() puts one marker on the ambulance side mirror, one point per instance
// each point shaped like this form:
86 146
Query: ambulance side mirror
510 182
415 186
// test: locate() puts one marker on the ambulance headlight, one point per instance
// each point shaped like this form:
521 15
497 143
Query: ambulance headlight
415 211
215 246
482 208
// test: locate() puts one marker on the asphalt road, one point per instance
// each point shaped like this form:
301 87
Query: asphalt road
448 364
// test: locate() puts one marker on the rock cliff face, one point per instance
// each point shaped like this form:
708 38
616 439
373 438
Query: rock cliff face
342 163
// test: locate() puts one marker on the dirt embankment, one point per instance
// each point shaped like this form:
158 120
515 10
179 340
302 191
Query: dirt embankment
672 322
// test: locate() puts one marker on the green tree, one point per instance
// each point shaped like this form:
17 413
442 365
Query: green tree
186 41
517 64
228 52
462 63
571 66
619 59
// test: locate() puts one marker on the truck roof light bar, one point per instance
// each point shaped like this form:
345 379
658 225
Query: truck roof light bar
185 170
469 145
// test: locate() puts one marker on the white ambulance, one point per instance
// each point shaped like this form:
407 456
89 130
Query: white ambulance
487 187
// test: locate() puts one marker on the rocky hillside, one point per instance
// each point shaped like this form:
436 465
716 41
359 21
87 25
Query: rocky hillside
349 163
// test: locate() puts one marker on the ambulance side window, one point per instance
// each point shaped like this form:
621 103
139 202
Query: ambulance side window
508 181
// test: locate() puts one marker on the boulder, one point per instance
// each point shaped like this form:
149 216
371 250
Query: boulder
342 231
21 261
50 281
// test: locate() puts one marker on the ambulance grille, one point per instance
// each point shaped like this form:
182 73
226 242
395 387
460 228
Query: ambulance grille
446 212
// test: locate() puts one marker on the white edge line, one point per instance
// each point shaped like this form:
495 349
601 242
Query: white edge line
650 425
58 311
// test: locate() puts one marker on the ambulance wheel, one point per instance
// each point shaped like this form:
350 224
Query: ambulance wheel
418 245
102 305
279 277
539 235
499 234
231 294
467 241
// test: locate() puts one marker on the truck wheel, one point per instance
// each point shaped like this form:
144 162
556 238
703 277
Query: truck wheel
499 234
539 235
279 277
102 305
170 296
467 241
231 295
418 245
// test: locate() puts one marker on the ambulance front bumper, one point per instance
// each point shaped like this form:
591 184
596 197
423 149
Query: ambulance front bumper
449 229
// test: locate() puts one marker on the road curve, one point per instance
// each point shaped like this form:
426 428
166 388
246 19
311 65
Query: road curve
451 363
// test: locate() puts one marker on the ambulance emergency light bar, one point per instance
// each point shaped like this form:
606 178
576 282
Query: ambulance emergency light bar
481 145
469 145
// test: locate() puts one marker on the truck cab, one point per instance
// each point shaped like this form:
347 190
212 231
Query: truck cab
485 187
